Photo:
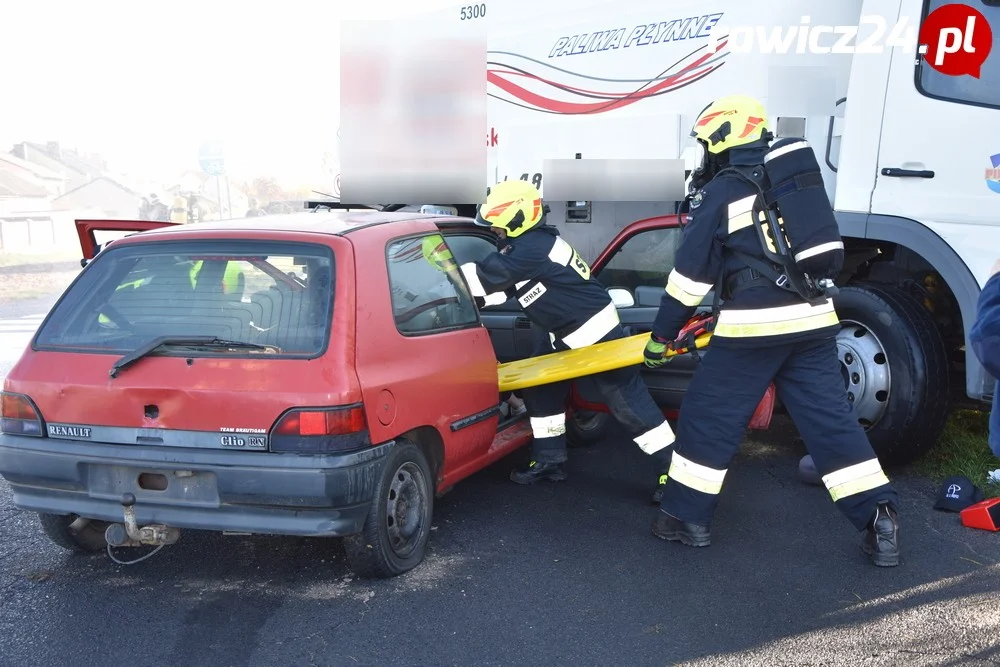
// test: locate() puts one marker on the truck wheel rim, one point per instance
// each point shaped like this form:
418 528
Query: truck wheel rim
865 369
406 509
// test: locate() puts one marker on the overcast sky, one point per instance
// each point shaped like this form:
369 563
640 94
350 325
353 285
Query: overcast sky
145 82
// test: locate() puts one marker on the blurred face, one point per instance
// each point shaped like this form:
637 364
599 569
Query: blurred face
500 232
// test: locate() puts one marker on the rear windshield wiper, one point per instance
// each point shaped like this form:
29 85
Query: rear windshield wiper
191 341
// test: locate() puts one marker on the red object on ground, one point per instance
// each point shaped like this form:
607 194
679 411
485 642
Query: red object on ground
984 515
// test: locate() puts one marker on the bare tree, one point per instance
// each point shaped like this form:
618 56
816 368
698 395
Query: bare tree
265 190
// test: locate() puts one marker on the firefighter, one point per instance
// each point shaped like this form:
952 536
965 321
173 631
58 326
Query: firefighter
568 310
763 332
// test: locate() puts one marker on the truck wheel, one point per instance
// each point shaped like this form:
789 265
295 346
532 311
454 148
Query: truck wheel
895 367
395 533
87 539
585 427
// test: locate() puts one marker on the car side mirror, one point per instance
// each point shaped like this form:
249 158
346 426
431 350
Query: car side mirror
622 298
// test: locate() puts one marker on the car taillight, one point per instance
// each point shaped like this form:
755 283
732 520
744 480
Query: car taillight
320 430
19 415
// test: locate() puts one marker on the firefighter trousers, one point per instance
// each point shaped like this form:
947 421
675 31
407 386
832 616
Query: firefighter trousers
624 392
718 406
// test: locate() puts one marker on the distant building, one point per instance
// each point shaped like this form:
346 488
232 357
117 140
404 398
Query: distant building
75 169
18 195
103 195
33 173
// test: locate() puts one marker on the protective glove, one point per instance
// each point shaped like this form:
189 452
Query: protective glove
655 353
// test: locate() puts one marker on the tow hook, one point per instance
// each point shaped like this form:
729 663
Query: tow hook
130 534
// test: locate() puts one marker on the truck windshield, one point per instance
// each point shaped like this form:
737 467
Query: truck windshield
276 298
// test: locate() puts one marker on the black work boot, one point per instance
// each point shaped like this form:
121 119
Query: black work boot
881 538
536 472
673 529
658 491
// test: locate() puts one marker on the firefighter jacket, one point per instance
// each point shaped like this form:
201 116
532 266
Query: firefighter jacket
764 314
551 282
985 339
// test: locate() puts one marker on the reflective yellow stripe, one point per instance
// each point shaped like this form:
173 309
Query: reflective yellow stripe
593 329
689 292
819 250
695 476
494 299
656 438
775 321
739 213
561 252
548 427
475 286
857 478
787 148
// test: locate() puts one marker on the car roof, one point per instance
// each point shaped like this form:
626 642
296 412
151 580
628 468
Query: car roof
319 221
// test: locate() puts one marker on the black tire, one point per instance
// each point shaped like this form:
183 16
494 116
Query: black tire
585 427
896 368
381 550
89 539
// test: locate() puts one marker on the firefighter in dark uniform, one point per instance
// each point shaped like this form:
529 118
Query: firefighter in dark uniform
763 333
569 310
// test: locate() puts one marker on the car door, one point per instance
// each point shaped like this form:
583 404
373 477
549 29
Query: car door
427 356
87 231
509 329
639 260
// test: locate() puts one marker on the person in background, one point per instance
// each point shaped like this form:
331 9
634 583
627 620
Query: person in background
157 209
254 210
985 339
179 211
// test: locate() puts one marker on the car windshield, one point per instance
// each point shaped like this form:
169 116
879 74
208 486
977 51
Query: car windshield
278 296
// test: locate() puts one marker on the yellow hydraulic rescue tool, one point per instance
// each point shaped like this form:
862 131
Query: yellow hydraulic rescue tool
572 364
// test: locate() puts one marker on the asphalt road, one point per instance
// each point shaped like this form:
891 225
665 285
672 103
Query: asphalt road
558 574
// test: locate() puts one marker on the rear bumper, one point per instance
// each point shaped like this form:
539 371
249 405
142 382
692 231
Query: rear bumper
216 490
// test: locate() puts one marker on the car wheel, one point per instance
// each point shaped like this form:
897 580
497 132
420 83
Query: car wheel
394 537
85 538
586 427
896 370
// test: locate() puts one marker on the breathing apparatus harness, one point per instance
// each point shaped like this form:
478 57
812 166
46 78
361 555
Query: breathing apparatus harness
781 268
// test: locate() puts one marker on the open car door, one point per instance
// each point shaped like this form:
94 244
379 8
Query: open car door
637 262
634 268
85 230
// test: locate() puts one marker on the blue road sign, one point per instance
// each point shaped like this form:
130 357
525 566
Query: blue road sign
210 157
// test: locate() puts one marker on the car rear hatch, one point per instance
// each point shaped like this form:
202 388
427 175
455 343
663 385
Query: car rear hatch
209 343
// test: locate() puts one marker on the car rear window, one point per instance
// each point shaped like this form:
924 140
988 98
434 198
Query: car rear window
266 293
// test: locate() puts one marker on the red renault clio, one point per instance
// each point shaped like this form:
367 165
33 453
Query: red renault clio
308 374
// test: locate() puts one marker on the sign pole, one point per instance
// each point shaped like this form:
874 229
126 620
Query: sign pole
218 190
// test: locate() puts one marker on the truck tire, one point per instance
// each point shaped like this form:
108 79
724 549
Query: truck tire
896 370
396 530
586 427
88 539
